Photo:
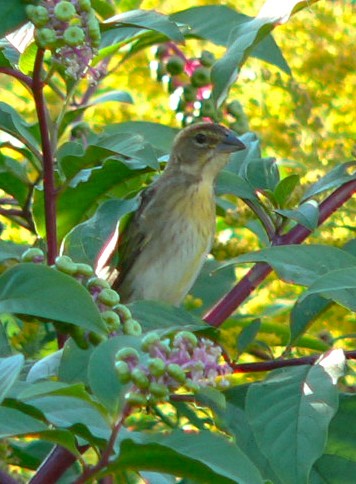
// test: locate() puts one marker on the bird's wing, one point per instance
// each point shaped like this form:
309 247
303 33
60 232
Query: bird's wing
134 238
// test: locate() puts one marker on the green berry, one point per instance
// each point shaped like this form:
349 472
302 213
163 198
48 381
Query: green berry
207 109
136 399
175 65
192 385
161 71
85 5
207 58
73 36
111 319
84 270
109 297
128 354
235 109
123 371
161 51
45 37
96 282
186 337
38 15
189 94
33 255
123 311
201 77
132 327
156 366
158 390
93 28
176 372
65 264
64 11
140 378
95 338
149 340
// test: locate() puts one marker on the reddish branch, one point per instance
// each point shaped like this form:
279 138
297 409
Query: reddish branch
47 157
231 301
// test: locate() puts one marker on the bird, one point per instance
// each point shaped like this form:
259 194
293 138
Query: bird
168 238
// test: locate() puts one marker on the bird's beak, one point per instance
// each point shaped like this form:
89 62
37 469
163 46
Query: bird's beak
230 144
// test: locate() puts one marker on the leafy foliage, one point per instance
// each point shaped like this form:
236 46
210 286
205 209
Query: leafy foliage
84 127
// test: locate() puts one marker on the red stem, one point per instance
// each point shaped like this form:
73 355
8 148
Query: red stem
17 75
231 301
47 156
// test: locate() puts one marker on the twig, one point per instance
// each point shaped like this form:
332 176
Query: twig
47 156
231 301
17 75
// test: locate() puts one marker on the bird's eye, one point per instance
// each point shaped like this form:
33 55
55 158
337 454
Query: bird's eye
201 138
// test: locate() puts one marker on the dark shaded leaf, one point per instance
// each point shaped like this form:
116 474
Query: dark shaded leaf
303 313
13 422
12 15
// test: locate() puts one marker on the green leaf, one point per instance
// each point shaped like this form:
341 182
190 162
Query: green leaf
290 413
247 335
231 183
37 290
13 422
203 457
138 20
338 285
10 369
262 173
307 214
67 411
74 363
13 180
10 250
85 242
216 22
285 188
83 194
338 176
12 123
300 264
104 8
45 368
102 375
13 14
117 96
303 313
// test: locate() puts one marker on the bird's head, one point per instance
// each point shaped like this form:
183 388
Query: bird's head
203 149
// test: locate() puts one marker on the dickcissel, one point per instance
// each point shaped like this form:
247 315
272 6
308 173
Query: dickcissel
164 245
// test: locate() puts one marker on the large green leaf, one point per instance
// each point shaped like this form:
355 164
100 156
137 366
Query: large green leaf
338 285
204 457
215 23
231 183
37 290
307 214
10 250
10 369
303 313
13 14
85 242
12 179
13 422
290 413
300 264
131 23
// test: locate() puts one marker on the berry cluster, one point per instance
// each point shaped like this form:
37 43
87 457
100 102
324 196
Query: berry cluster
165 365
116 316
190 81
70 30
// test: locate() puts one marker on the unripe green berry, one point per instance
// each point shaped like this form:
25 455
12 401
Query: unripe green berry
186 337
132 327
65 264
79 337
192 385
200 77
33 255
109 297
97 282
139 378
190 94
161 51
207 109
73 36
95 338
123 371
175 65
123 311
45 37
207 58
158 390
38 15
111 319
84 269
156 366
149 340
128 354
64 11
176 372
93 28
85 5
235 109
136 399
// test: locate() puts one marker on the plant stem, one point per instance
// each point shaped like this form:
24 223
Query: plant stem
47 158
231 301
6 478
17 75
